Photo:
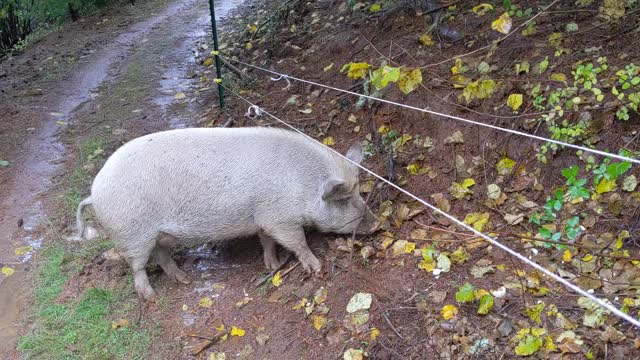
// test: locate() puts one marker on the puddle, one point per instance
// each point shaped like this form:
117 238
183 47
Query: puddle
174 78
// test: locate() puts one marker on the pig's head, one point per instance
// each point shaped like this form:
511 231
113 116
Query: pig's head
340 208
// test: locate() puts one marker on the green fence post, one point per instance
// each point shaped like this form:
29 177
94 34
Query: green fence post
216 53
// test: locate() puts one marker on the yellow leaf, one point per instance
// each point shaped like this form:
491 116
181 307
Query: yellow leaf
426 40
318 321
383 129
179 96
409 247
449 312
477 220
416 169
120 323
23 250
208 62
479 89
459 67
276 280
409 80
205 302
460 81
549 344
356 70
328 67
505 166
559 77
459 191
217 356
236 331
514 101
427 265
605 186
302 303
248 46
587 258
252 28
502 24
7 271
482 9
329 141
373 334
566 256
374 8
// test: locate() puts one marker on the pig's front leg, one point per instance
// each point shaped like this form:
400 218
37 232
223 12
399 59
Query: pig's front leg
269 250
293 239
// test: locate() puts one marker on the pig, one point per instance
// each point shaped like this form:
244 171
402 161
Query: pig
187 186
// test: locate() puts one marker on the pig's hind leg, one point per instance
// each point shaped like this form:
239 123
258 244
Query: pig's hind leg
162 255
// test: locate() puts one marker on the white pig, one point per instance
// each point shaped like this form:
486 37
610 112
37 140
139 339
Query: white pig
181 186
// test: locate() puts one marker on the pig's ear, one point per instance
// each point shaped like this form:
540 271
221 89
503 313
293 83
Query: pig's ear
335 189
355 153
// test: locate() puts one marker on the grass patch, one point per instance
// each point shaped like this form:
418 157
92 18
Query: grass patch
80 328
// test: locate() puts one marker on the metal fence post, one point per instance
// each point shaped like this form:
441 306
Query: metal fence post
216 53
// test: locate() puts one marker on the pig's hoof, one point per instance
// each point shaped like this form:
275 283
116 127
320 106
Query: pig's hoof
271 263
182 277
147 294
312 265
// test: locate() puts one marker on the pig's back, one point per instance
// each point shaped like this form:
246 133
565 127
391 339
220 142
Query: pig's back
198 181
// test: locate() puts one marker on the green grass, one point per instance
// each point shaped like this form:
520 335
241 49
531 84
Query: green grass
80 328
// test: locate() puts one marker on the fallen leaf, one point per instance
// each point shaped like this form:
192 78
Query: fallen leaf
514 101
409 80
465 293
459 191
356 70
505 166
179 96
630 183
502 24
455 138
480 271
329 141
513 219
205 302
444 263
477 220
7 271
119 323
605 186
318 321
217 356
23 250
353 354
4 163
493 191
486 304
359 301
236 331
560 77
441 202
276 280
426 40
529 345
449 312
262 339
482 9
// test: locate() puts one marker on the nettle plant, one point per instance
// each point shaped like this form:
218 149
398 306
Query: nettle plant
628 79
575 190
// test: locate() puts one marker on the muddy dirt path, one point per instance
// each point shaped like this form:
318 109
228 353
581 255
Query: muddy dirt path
134 76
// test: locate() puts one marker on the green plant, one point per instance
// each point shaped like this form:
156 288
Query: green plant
610 172
575 186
